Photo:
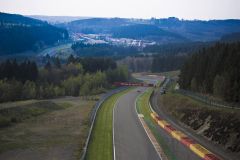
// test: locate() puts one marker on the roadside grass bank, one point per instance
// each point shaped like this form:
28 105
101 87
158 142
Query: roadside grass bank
144 108
219 125
100 145
170 74
19 113
53 129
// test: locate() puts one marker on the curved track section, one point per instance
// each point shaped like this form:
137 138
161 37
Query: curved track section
130 139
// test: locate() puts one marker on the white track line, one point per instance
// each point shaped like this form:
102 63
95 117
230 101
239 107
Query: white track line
114 150
144 127
155 144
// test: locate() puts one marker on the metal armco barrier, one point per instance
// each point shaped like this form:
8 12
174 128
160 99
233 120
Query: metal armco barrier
184 139
207 100
181 137
133 84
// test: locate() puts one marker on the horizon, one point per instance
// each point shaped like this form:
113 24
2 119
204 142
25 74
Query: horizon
185 9
90 17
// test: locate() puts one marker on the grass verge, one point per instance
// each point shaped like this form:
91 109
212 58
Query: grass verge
170 74
143 108
100 146
57 133
219 125
19 113
175 102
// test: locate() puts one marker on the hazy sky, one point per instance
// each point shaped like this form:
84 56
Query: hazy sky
187 9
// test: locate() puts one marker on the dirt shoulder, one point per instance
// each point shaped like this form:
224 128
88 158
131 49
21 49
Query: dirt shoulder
59 134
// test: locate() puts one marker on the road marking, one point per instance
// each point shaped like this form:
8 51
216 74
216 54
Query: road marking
148 132
114 150
113 128
153 140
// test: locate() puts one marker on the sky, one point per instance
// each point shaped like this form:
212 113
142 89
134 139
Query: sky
183 9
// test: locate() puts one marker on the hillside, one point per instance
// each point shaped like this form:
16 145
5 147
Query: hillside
220 126
95 25
215 71
19 34
57 19
144 31
194 30
231 37
98 50
199 30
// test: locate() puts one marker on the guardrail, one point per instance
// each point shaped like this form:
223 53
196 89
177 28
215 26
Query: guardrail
207 100
200 97
93 116
196 148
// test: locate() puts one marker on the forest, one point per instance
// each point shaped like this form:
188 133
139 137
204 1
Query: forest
150 32
162 58
97 50
214 70
176 48
167 63
19 34
155 63
24 80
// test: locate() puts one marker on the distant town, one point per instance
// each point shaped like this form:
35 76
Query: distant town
108 39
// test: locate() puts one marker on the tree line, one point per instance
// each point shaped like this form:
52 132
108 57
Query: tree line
176 48
155 63
57 79
137 63
24 71
167 63
144 31
98 50
214 70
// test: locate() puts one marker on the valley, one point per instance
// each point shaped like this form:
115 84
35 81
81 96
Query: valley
121 80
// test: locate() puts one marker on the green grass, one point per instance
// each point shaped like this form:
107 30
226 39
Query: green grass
170 74
19 113
174 102
58 132
143 108
159 83
100 146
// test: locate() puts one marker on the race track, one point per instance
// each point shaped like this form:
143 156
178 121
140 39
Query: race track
130 139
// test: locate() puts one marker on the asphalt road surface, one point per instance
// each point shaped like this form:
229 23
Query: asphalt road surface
212 147
177 149
130 139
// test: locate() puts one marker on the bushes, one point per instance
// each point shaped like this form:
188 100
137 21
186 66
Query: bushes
68 80
18 113
119 74
72 85
29 90
10 90
4 122
85 84
59 91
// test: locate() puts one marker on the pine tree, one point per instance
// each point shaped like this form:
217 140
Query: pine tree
71 59
219 86
48 66
57 63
